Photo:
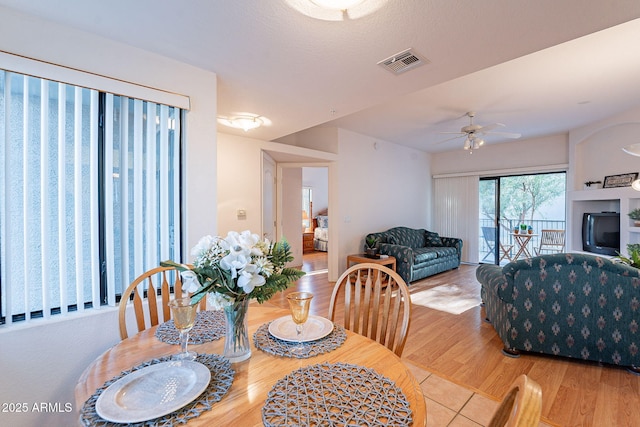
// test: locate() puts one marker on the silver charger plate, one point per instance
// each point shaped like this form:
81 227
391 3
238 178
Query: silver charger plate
316 327
153 391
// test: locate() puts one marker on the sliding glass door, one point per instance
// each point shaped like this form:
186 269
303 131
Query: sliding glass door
528 203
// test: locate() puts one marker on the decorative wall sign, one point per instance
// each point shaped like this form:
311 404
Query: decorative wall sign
623 180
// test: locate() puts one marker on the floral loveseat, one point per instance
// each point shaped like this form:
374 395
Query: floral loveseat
574 305
419 253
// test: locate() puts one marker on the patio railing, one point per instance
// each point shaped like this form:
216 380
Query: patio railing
506 228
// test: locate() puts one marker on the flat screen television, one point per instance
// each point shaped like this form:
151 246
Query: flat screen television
601 233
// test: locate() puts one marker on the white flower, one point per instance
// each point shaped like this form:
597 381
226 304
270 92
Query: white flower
204 244
249 278
218 301
233 262
190 281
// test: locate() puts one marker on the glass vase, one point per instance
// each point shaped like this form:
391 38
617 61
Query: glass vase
236 346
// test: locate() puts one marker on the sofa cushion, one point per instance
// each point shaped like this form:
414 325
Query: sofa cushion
424 254
432 239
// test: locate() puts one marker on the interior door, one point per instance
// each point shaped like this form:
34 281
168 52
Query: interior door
268 197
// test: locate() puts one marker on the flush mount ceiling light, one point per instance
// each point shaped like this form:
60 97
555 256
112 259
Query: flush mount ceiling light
633 149
336 10
337 4
244 122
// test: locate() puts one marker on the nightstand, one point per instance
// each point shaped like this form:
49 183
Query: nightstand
307 243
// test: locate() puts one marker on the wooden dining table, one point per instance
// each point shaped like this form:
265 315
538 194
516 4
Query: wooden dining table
255 377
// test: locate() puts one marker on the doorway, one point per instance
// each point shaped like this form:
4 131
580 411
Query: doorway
527 203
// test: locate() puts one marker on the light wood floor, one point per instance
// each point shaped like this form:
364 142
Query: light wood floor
467 351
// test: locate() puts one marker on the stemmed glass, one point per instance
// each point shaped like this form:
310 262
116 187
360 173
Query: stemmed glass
299 304
184 316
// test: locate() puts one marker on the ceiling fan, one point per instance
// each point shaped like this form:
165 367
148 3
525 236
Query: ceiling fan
474 133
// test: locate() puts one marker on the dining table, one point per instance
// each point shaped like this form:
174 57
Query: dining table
255 379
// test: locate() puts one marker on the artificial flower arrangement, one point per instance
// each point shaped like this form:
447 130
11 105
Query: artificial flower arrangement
231 271
236 267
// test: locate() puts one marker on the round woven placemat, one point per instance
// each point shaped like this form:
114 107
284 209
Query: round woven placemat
209 326
221 379
270 344
336 395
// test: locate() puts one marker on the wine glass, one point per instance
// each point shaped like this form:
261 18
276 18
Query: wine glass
184 316
299 305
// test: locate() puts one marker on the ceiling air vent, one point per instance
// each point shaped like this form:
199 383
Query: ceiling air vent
403 61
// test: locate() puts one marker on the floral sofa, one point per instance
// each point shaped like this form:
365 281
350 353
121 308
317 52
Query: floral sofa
573 305
419 253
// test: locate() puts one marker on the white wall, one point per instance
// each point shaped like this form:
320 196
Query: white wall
291 208
41 362
379 185
596 149
318 179
527 153
369 189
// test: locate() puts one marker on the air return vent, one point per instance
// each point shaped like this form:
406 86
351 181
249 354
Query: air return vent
403 61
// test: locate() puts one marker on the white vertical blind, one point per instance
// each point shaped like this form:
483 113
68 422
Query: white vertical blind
55 207
45 224
62 205
456 212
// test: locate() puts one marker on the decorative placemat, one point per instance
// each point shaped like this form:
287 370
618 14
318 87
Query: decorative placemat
337 394
209 326
270 344
222 376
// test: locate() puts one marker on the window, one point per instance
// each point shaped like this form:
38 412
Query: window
89 194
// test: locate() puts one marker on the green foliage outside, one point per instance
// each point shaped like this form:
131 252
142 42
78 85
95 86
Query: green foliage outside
522 196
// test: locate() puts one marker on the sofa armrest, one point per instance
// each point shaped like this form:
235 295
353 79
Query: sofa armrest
453 242
493 280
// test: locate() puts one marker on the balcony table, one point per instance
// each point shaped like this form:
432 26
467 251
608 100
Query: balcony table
522 240
255 377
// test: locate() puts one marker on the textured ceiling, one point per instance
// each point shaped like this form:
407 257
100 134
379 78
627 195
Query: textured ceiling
539 67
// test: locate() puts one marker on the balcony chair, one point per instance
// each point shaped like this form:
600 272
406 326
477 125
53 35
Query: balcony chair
551 241
377 304
521 406
153 282
490 234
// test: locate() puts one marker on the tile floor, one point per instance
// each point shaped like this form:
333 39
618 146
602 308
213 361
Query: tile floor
452 405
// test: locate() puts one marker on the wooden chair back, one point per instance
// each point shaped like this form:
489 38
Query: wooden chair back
521 406
155 282
377 304
551 240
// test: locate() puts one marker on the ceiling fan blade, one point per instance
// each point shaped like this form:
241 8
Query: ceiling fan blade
487 128
450 139
505 134
454 133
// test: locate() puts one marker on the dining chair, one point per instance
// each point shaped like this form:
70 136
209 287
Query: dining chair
160 281
377 304
521 406
551 240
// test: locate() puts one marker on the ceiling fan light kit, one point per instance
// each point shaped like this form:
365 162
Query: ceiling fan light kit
473 141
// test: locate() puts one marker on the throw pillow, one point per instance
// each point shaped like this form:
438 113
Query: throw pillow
323 221
432 239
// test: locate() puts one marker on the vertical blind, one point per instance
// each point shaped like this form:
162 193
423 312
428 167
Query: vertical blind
89 195
456 212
